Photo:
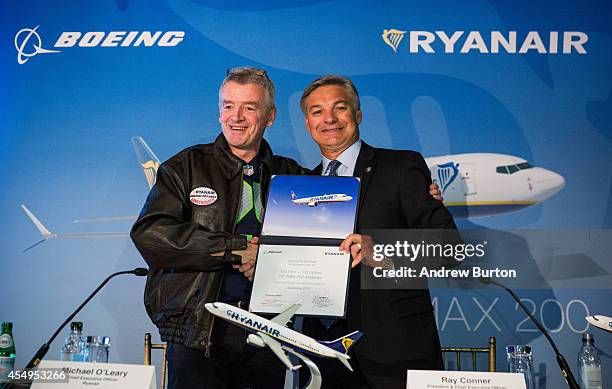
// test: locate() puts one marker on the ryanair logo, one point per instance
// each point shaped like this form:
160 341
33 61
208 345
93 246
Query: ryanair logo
488 42
252 323
393 38
347 343
150 171
447 173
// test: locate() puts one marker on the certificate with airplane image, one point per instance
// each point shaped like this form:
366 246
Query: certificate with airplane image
299 259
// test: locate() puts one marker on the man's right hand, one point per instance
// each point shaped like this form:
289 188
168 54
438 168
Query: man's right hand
249 256
434 191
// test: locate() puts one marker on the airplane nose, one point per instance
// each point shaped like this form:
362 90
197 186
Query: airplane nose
549 183
210 306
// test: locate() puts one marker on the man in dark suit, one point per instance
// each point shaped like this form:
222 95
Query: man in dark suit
399 326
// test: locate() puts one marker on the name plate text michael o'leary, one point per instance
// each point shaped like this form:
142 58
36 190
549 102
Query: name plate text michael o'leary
99 376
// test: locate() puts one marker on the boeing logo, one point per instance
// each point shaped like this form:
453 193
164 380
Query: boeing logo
93 39
22 38
493 42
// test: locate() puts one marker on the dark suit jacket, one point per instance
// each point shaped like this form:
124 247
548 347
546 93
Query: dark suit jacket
399 326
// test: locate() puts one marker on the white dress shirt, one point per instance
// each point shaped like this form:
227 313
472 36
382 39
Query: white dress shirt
348 160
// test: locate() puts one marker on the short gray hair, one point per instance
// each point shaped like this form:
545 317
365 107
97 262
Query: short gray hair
249 75
332 79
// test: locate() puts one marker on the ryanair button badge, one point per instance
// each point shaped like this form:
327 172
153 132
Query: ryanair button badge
202 196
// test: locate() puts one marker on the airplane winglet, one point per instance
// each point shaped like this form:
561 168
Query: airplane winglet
46 234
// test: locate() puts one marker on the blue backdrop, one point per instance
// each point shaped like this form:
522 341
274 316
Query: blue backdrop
67 118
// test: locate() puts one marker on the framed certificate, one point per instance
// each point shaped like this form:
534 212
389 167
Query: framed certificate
315 276
299 259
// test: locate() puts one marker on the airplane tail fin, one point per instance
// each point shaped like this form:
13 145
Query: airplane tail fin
343 344
147 159
293 195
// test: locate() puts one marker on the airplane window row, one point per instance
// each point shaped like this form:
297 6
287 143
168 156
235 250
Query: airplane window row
509 169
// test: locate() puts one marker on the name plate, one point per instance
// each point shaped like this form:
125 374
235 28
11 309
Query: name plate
436 379
98 375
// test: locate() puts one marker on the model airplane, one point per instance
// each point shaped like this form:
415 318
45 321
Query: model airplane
473 185
316 200
273 333
600 321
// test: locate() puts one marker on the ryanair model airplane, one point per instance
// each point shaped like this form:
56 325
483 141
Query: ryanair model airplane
600 321
274 334
315 200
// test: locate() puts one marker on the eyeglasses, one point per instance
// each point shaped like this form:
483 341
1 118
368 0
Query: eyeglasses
248 70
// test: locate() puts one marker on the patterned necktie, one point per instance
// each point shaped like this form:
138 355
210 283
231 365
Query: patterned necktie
333 168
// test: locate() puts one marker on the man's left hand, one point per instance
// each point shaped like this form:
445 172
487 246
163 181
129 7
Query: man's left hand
360 247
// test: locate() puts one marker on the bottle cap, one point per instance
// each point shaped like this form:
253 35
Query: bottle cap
518 349
76 326
7 324
98 340
586 337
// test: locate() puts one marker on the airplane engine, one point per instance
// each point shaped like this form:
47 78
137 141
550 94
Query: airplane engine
255 340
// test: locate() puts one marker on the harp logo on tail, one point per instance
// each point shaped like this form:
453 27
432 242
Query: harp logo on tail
150 170
447 173
393 38
347 342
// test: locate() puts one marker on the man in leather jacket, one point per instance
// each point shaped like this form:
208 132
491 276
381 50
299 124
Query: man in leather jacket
198 234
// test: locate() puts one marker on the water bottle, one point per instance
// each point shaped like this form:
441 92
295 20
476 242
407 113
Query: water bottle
96 349
73 345
589 364
520 361
7 351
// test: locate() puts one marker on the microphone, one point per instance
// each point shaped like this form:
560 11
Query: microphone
42 351
563 365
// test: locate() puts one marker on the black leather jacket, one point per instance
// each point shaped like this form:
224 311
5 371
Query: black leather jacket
176 237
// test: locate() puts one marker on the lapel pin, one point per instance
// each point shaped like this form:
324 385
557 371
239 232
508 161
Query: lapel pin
248 170
368 169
